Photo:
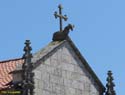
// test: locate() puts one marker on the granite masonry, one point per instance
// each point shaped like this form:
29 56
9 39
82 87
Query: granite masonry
63 73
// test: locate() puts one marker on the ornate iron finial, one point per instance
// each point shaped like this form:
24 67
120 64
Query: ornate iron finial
110 85
60 16
27 75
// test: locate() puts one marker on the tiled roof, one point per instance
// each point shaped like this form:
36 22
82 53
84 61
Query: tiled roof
5 68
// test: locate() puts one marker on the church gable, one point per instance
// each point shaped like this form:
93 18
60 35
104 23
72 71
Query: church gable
63 73
57 69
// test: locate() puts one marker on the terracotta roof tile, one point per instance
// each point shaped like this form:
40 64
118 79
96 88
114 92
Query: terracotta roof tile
5 68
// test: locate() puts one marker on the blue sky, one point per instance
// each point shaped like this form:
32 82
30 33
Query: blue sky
99 31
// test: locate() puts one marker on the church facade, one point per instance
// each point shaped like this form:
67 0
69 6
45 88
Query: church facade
57 69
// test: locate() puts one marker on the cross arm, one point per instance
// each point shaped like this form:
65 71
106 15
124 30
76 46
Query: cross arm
60 16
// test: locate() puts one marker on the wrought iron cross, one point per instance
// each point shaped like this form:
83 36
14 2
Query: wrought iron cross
60 16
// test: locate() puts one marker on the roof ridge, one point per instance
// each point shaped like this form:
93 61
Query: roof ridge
15 59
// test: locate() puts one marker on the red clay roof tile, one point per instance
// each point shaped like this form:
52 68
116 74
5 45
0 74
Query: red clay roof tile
5 68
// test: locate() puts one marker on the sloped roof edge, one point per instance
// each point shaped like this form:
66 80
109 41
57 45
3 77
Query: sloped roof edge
3 61
86 64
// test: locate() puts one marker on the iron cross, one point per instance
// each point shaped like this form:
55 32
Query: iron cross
60 16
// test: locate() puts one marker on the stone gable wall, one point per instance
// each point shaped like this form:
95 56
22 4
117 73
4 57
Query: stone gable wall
64 74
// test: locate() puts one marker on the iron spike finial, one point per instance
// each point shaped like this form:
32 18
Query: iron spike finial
110 84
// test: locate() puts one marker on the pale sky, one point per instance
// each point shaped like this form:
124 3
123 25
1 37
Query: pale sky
99 31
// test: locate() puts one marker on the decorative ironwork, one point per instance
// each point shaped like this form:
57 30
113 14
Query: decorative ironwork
110 85
27 75
60 16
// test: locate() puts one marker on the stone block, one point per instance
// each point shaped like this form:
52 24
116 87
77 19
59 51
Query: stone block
59 89
67 66
39 91
82 79
41 68
40 84
35 91
45 92
87 87
60 53
57 72
66 59
77 85
79 69
54 63
45 76
56 79
88 93
54 94
70 91
47 86
68 82
37 74
75 76
50 69
79 92
36 82
94 89
64 73
66 51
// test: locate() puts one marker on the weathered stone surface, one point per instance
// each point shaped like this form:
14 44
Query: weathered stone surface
64 74
70 91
